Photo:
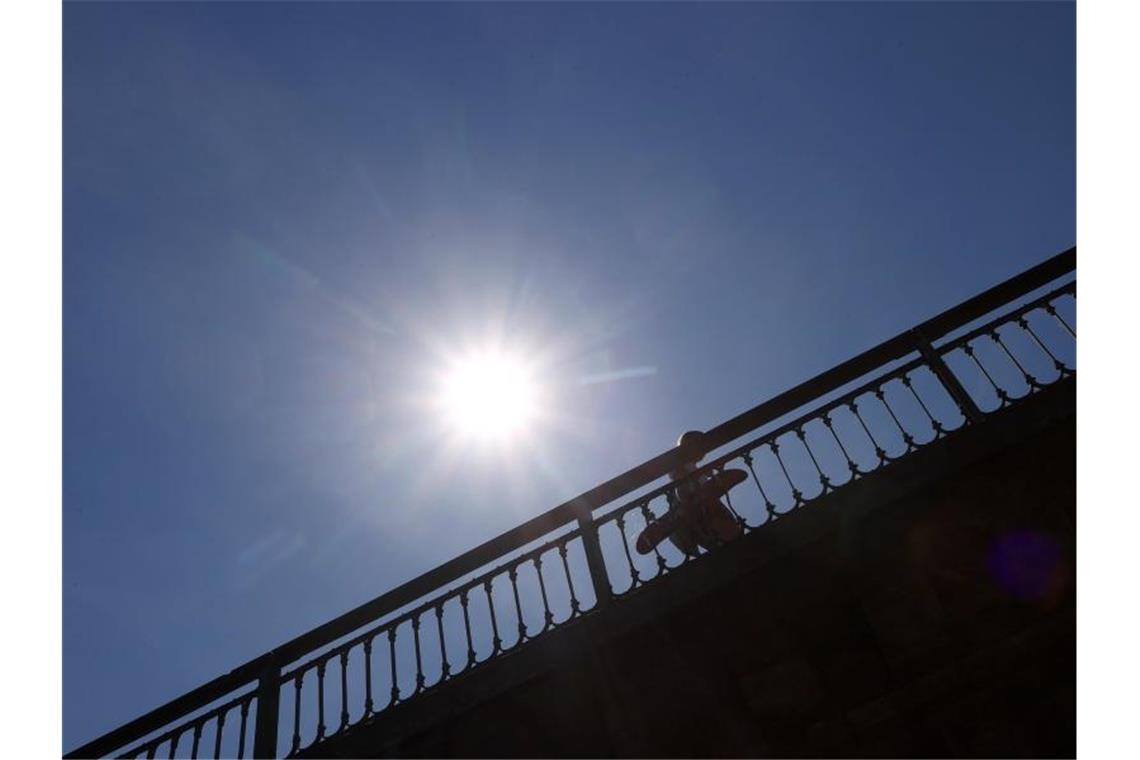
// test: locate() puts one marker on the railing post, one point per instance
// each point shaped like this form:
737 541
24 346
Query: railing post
268 699
597 565
942 371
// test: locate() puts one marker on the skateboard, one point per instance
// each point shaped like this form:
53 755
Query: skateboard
709 515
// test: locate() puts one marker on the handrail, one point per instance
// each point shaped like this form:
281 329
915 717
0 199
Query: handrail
896 347
581 507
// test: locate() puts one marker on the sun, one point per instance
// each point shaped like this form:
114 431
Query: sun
489 395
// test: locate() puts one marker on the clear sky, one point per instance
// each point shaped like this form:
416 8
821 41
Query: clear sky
282 220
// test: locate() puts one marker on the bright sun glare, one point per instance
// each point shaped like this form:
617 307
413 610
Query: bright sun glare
490 396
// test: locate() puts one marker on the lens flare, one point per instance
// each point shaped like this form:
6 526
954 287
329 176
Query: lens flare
1028 565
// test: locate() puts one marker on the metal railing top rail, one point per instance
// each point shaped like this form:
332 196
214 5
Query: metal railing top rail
582 506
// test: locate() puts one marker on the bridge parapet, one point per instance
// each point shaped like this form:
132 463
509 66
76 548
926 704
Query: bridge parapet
948 374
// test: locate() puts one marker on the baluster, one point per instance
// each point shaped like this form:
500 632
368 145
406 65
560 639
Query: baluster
1058 365
445 666
368 705
241 732
566 569
879 452
297 679
768 505
1003 397
496 642
547 615
662 565
728 503
796 495
575 606
467 627
343 690
907 438
174 745
1030 380
196 742
513 575
673 496
1049 309
150 751
218 735
321 699
939 431
851 466
419 661
634 576
395 694
824 481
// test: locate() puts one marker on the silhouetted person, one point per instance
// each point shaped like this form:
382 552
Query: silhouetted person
696 516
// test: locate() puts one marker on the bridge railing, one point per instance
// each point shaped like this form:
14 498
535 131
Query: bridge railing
862 429
974 359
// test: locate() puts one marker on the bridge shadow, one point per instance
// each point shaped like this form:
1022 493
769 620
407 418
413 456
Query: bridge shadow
926 610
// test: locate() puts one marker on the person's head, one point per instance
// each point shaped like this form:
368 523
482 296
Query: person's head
690 442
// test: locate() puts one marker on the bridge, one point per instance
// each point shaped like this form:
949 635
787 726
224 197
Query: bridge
904 585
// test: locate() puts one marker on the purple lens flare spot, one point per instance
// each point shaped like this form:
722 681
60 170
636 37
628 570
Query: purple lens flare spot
1027 564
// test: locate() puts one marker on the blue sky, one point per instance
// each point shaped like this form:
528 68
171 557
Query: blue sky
279 217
